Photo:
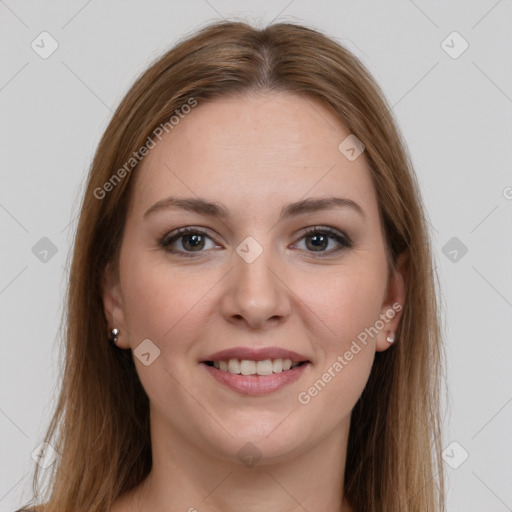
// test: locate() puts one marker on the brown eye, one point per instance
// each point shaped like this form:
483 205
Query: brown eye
192 242
187 240
325 241
317 242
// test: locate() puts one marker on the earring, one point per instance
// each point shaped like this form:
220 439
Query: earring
114 333
391 337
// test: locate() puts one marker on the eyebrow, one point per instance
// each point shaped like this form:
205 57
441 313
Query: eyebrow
213 209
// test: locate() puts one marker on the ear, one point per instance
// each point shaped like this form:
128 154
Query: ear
113 305
392 308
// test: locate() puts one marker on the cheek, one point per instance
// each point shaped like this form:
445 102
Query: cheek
344 302
170 306
166 306
158 300
345 305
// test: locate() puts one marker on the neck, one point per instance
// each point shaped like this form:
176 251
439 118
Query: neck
185 478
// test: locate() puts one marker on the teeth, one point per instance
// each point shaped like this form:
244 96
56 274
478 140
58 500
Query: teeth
277 366
234 366
264 367
247 367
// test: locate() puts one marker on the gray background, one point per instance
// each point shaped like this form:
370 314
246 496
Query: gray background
455 114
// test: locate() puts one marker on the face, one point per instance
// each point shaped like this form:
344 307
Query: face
282 269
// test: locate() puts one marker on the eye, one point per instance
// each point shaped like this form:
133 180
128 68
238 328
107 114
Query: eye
187 240
321 239
318 239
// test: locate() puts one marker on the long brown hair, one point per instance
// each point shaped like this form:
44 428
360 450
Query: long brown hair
100 427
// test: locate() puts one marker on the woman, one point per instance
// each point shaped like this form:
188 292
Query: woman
253 242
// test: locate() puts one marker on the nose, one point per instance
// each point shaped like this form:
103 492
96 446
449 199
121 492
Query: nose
255 294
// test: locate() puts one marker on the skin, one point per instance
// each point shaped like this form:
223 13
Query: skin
253 154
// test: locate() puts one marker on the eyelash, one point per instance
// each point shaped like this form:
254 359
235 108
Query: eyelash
341 238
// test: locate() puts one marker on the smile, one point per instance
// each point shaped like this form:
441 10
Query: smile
255 378
249 367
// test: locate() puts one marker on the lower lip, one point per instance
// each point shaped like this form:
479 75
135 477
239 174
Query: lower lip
255 385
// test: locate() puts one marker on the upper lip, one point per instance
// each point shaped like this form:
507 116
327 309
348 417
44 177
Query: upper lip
255 354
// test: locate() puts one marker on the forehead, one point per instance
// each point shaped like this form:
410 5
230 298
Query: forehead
252 149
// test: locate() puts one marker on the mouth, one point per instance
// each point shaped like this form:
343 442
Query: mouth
260 368
254 371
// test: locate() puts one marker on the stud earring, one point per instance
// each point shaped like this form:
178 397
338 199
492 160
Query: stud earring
391 337
114 333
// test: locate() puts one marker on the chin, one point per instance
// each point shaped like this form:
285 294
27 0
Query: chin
262 442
